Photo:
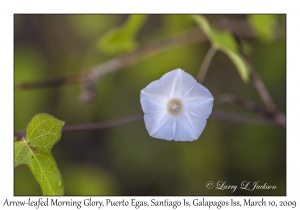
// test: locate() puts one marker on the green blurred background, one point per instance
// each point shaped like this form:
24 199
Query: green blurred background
125 160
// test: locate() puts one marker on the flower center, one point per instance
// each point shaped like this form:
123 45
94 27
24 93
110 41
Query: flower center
174 106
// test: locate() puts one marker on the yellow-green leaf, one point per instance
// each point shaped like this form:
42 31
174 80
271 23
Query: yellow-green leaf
220 39
203 24
239 63
263 26
35 151
122 39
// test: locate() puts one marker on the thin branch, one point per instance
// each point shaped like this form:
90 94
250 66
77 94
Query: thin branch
218 115
92 126
273 111
72 79
262 91
205 64
240 118
190 36
276 114
264 94
277 117
249 105
103 125
89 80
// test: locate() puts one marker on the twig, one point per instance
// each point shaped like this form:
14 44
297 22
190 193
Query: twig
240 118
190 36
262 91
205 64
265 96
218 115
72 79
274 113
92 126
278 118
90 78
103 125
249 105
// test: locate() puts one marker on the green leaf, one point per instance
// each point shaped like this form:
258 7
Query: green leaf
122 39
203 24
225 42
35 151
219 39
239 63
263 26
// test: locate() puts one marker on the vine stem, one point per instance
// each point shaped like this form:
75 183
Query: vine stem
185 38
92 74
273 112
205 64
103 125
217 115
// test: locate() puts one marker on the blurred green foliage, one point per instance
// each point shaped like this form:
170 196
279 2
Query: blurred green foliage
122 39
225 42
264 25
125 160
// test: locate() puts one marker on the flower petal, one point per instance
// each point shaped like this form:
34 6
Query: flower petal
178 129
166 131
150 105
185 84
184 130
198 91
169 81
201 108
197 123
177 82
155 91
154 121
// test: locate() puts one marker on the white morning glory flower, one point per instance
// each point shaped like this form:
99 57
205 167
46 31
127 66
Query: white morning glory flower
176 107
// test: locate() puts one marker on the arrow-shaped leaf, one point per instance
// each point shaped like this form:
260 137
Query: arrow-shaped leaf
35 151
